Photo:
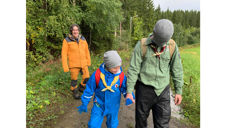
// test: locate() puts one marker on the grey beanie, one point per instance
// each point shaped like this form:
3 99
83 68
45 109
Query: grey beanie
163 31
112 59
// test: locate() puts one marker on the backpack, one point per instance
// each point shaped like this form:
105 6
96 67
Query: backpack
172 45
97 77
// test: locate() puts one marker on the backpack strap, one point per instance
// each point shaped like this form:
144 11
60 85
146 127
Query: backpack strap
121 78
143 47
172 45
97 77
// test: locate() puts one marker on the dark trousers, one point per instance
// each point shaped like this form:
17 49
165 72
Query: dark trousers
146 99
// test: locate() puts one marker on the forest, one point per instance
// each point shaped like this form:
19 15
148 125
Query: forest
113 24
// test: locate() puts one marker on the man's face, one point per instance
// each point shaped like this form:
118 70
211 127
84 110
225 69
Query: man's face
160 44
75 32
114 70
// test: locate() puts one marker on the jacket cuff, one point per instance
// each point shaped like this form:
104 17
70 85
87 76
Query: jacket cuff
130 89
66 69
178 91
85 103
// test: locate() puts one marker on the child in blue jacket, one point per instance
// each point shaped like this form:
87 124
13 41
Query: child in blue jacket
107 83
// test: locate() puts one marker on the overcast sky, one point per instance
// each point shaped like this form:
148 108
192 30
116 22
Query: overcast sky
177 4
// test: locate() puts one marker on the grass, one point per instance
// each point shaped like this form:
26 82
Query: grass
48 91
190 56
46 87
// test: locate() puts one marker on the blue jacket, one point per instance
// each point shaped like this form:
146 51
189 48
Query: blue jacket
107 100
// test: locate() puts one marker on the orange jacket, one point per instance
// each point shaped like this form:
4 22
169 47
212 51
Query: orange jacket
76 52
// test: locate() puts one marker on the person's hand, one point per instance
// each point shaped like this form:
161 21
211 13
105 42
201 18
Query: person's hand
82 108
178 99
130 98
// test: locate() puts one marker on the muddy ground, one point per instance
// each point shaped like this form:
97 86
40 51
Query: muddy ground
72 119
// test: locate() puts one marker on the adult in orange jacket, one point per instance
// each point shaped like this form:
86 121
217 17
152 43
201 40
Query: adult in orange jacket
76 58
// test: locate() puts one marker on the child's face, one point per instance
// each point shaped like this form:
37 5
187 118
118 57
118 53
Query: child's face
114 70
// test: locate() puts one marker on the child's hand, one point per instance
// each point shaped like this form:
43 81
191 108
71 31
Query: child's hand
128 102
130 98
82 108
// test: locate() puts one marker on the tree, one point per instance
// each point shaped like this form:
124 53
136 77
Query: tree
101 17
48 22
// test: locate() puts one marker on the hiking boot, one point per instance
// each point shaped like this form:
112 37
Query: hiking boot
81 88
76 93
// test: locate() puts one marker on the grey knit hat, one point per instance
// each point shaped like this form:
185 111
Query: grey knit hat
162 32
112 59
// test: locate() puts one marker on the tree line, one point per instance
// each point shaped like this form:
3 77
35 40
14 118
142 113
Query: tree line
104 23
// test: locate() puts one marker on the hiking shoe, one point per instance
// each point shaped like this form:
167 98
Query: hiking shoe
81 88
76 93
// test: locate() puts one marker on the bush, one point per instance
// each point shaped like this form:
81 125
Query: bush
47 90
47 23
137 30
184 36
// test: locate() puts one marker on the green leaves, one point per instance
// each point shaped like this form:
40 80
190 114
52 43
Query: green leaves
47 102
43 90
48 23
184 36
102 17
138 29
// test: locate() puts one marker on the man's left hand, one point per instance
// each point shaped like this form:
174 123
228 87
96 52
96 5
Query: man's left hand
178 99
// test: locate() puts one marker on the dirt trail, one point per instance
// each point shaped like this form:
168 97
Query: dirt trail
72 119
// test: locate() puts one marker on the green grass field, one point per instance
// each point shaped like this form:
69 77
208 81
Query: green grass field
190 56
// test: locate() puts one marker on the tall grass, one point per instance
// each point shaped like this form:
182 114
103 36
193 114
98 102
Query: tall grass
190 56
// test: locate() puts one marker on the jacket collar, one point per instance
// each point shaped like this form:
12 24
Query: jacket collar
74 39
104 71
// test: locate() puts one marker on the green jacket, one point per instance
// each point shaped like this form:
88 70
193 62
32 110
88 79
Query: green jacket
153 71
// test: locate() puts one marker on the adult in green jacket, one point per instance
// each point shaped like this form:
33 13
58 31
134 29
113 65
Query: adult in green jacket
150 74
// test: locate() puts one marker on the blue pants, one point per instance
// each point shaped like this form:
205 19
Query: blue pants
96 119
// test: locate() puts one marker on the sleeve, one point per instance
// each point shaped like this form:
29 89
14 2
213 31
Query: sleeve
134 68
88 57
89 91
176 70
123 87
64 56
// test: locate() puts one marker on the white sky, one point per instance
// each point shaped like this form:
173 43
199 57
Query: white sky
177 4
